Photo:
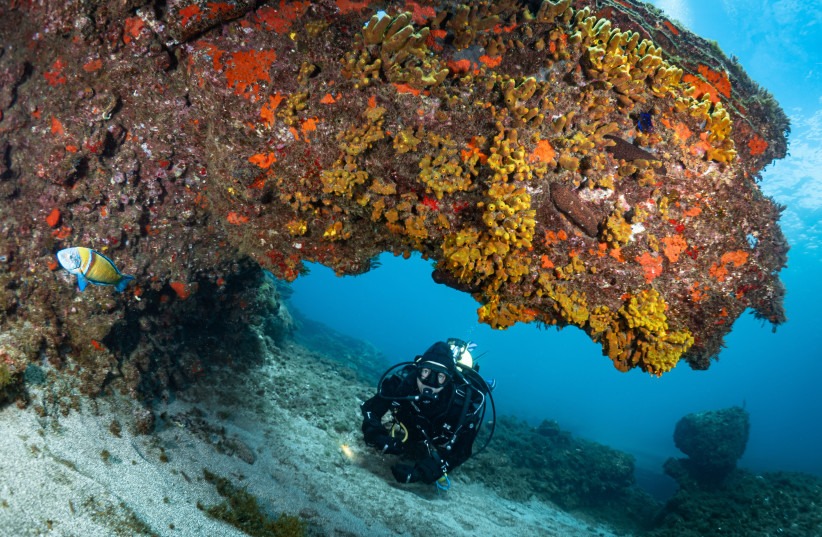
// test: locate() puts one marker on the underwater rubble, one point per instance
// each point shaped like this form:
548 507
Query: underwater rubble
592 481
713 496
746 504
586 163
578 475
717 498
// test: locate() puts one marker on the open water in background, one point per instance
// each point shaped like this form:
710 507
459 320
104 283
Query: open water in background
562 375
545 374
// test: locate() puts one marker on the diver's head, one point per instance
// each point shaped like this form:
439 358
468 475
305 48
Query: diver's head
431 382
435 369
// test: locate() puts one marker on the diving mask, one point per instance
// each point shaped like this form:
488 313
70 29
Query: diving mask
432 378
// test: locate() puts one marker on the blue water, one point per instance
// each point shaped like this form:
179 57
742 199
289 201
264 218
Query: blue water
563 376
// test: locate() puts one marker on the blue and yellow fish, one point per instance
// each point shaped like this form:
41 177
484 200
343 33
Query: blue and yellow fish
93 267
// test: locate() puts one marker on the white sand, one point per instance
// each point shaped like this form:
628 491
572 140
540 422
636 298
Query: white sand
55 480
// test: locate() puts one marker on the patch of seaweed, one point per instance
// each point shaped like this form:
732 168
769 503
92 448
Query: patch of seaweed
242 511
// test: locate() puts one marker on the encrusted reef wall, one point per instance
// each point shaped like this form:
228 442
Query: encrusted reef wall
584 163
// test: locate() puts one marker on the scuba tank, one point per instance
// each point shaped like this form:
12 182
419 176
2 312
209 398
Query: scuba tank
468 368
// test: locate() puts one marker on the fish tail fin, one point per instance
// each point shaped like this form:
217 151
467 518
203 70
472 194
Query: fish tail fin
123 283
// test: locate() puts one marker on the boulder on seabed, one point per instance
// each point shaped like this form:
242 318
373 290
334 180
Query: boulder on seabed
713 441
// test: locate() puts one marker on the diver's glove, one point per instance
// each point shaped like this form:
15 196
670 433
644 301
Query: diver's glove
405 473
431 469
427 470
388 445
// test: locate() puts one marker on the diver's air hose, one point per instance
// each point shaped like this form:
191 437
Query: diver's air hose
470 377
478 383
382 379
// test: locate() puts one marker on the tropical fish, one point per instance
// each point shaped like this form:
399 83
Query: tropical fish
645 123
91 266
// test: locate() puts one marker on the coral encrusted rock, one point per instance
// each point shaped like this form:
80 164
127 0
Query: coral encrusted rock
584 163
714 441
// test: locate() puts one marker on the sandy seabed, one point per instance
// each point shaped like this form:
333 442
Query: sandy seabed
285 430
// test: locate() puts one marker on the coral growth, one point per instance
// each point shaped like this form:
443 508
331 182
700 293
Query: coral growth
186 142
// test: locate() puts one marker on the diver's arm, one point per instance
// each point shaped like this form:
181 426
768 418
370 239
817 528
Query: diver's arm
431 468
374 432
461 449
372 412
439 463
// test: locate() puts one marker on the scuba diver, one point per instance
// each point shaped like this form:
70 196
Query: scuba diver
437 404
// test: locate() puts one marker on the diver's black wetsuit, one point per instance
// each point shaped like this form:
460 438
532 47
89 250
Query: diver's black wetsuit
435 428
